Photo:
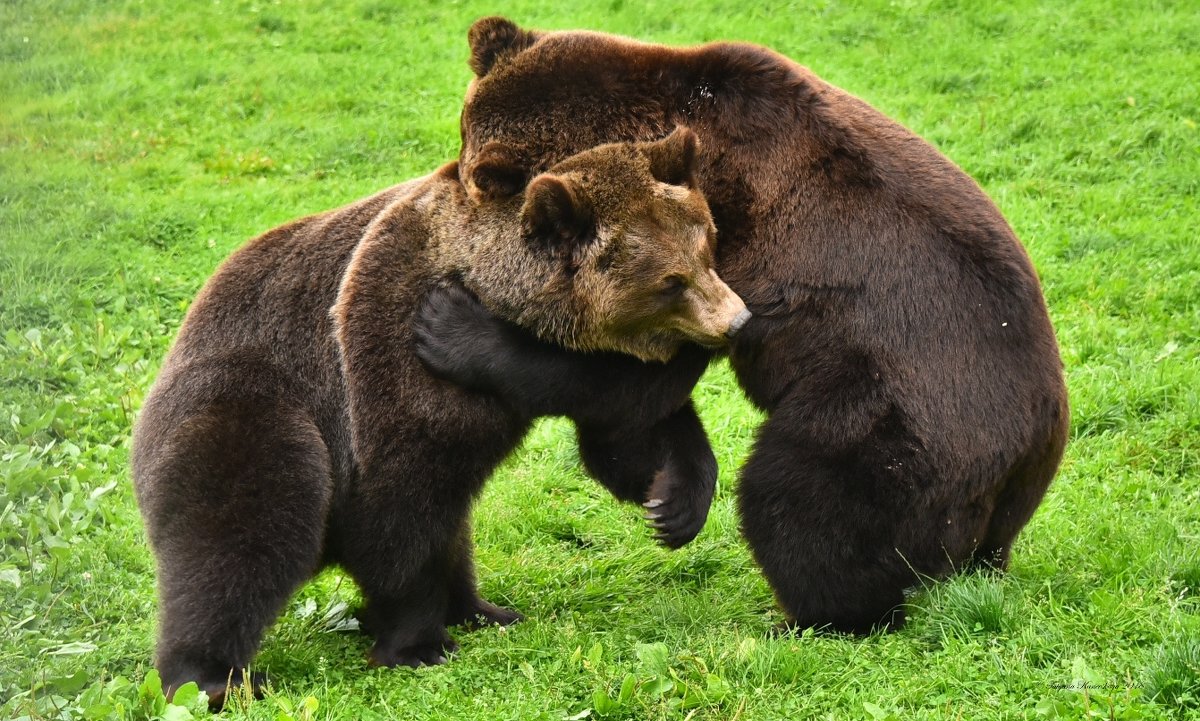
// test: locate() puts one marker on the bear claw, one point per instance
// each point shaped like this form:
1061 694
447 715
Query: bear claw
675 526
487 614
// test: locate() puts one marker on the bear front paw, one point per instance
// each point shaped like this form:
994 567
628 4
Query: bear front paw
675 514
452 331
433 653
485 613
675 524
221 689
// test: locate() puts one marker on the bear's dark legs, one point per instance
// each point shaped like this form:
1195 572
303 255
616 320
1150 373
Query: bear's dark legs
409 624
669 467
464 605
416 583
1020 497
399 547
235 498
826 546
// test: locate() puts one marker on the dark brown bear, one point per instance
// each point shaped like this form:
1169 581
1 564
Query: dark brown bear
900 341
293 427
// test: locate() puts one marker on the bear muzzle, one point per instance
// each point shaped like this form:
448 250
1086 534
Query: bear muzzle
738 322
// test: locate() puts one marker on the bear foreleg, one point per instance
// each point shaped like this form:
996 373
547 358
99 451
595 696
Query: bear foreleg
458 340
823 534
669 468
464 606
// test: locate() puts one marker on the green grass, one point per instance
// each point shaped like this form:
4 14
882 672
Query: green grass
141 142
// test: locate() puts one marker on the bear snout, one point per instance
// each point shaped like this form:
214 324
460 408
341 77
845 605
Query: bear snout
738 322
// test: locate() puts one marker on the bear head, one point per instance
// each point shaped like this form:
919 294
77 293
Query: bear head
616 250
547 96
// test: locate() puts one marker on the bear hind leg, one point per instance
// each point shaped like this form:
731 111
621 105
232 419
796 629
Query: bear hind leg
235 498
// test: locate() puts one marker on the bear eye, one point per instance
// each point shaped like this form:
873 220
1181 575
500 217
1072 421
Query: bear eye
673 285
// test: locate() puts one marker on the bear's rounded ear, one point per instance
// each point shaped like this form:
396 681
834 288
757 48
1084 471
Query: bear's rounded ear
498 172
492 38
557 219
673 159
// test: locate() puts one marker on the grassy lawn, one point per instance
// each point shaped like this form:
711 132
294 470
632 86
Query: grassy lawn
142 141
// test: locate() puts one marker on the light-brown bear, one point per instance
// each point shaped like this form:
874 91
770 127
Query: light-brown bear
292 426
900 342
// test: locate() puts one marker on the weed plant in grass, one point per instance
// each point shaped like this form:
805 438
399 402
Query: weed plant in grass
143 140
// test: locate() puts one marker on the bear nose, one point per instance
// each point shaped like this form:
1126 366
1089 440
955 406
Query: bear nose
736 324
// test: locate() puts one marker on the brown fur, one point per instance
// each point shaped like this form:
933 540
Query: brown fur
900 341
292 426
628 227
